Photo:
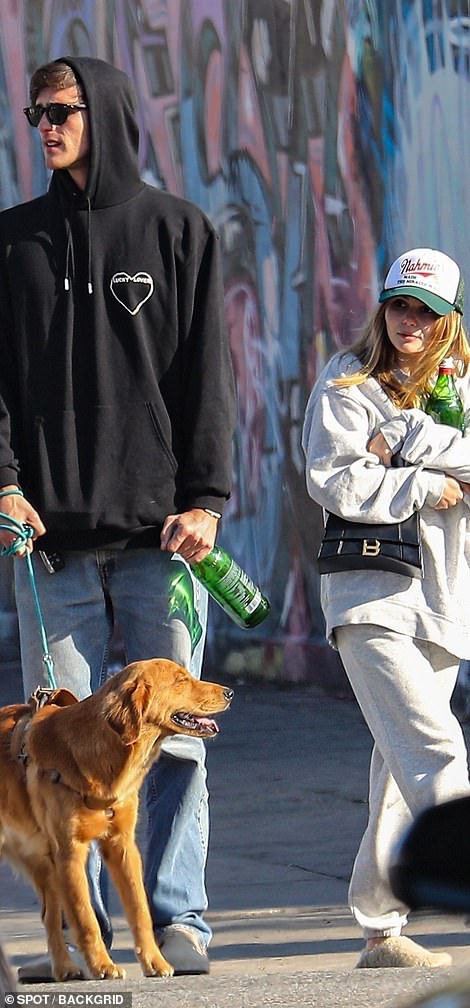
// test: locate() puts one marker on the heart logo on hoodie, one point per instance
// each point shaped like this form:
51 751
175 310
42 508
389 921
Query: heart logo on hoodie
132 291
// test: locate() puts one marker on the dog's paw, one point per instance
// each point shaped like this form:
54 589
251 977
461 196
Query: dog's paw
74 973
156 966
107 971
65 968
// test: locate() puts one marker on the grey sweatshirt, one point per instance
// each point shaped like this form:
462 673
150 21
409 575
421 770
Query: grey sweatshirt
347 479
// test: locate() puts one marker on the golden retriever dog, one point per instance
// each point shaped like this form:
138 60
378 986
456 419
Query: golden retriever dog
70 773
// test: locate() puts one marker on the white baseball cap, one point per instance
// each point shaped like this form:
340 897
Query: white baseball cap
431 276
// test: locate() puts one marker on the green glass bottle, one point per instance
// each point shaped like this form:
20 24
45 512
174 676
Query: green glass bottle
231 587
444 404
181 604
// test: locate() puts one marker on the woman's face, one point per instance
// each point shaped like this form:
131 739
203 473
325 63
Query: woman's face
410 325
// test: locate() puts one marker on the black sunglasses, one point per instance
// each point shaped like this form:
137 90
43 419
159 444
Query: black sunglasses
56 113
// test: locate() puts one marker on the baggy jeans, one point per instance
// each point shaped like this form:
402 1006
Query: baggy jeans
79 603
404 688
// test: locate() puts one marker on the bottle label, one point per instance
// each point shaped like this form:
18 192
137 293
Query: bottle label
251 606
236 582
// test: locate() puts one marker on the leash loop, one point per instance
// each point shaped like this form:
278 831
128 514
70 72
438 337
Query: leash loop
24 534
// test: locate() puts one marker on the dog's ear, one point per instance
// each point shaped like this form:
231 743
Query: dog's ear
62 697
126 710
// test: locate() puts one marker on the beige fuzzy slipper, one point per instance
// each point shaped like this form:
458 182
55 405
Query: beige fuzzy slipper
401 951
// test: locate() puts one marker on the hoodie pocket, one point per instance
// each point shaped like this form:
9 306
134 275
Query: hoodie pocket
108 465
163 443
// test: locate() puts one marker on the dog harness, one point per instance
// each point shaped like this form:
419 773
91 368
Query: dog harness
18 747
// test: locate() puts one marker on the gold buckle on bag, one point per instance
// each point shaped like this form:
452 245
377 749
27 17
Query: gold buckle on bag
370 547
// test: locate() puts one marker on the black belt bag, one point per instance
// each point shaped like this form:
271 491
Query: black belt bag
348 545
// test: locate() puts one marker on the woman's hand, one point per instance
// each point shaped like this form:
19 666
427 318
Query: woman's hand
452 495
378 446
453 490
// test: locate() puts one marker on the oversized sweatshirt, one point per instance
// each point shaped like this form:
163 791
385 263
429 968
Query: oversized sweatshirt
347 479
116 388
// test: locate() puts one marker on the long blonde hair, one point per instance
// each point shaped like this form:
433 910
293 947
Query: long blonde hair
379 359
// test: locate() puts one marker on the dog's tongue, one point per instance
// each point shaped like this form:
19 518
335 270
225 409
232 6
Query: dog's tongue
198 723
208 725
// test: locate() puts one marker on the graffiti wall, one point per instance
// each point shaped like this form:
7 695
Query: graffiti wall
321 137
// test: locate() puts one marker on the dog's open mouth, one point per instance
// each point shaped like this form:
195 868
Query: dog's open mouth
195 724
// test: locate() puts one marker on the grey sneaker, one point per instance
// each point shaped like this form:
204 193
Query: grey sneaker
184 949
39 970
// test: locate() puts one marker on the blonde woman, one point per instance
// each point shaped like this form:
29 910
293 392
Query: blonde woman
400 638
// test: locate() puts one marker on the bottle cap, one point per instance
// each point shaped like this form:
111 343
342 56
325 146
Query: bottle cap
447 364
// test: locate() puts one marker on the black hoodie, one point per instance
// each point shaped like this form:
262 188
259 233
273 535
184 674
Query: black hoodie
116 394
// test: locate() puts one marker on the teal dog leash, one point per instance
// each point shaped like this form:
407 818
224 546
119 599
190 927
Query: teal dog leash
23 534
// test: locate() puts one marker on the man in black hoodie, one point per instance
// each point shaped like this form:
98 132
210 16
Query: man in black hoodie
116 421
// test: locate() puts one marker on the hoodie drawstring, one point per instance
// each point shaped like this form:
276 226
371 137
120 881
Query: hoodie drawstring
69 257
90 284
68 254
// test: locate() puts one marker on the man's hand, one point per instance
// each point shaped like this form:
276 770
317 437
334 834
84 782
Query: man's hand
17 507
191 534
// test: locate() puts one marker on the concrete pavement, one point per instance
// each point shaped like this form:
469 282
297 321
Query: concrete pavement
288 783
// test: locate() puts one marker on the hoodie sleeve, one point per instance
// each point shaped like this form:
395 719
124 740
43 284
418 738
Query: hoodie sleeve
343 476
9 467
209 404
421 441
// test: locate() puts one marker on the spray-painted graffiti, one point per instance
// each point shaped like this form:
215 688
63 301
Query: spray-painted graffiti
321 137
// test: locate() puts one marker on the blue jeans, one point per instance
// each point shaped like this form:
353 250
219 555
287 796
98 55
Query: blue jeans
134 589
10 661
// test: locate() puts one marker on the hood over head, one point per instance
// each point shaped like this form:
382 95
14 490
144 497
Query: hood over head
114 133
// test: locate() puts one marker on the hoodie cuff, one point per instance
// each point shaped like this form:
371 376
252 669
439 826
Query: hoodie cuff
394 432
436 486
8 477
214 505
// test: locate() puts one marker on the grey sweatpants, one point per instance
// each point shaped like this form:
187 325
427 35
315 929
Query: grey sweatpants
403 687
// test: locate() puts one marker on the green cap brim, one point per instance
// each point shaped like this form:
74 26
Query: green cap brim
437 304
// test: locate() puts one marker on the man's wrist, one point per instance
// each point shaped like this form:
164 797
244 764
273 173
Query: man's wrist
213 514
12 490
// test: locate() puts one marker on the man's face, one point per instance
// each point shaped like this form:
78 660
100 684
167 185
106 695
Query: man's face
66 146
